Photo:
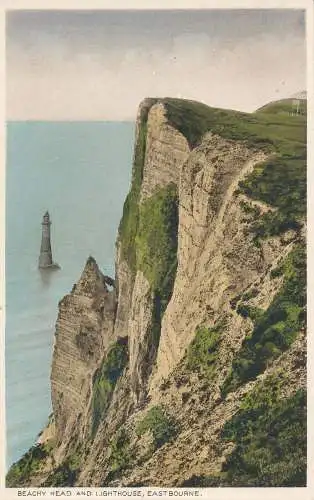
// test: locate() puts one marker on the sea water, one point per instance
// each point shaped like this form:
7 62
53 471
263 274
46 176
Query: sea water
80 172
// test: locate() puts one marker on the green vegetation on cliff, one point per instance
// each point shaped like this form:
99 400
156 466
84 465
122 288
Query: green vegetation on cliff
248 311
269 433
157 237
121 455
281 183
156 246
130 218
148 234
202 353
269 437
277 327
66 473
162 427
106 378
24 469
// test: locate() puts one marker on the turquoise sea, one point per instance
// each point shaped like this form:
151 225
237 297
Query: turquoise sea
80 172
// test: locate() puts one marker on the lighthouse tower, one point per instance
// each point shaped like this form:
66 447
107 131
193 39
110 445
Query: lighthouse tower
45 257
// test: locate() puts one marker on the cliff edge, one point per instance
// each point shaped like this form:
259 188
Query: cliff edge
191 369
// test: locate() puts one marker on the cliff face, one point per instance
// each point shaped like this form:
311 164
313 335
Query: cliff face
163 151
215 261
202 340
84 330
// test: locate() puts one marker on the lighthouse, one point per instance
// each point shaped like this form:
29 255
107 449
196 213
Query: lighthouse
45 257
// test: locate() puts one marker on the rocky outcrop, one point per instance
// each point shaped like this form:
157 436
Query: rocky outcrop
139 327
200 309
84 330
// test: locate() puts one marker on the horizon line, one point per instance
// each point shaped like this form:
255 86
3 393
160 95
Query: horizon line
70 120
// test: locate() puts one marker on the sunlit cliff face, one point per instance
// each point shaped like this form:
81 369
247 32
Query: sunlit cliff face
76 66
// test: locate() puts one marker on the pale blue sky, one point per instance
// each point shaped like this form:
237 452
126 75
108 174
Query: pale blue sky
99 65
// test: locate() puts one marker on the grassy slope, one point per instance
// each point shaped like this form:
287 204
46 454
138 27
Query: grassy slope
269 434
284 106
263 131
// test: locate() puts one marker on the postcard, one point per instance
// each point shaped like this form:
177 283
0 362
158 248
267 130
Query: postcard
156 251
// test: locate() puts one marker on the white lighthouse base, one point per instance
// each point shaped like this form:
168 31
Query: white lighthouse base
52 266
